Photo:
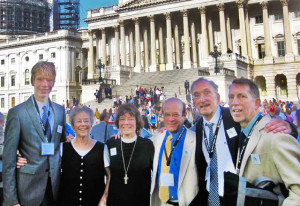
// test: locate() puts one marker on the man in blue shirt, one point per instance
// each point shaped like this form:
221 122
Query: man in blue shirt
174 171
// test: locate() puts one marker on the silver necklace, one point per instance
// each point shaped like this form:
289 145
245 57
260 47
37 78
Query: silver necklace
126 169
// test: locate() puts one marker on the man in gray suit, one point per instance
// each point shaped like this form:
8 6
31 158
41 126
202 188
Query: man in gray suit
35 128
102 131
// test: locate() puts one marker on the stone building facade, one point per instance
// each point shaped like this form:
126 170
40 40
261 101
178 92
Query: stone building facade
18 55
159 35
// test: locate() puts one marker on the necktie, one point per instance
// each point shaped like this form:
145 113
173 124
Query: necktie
164 191
213 197
46 123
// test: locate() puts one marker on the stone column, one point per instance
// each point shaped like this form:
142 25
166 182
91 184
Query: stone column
97 34
248 32
270 85
204 36
153 65
117 46
131 49
211 35
69 51
137 67
194 45
221 7
287 31
292 86
161 45
169 65
268 58
146 50
228 30
177 45
187 55
91 61
123 49
243 37
103 46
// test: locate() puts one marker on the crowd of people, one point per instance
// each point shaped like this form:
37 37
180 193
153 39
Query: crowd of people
201 152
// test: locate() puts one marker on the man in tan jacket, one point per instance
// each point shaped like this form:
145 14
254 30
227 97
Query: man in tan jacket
276 156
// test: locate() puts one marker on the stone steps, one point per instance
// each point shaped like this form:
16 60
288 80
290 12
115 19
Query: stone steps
172 81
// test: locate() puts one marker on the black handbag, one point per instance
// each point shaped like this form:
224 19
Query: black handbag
264 191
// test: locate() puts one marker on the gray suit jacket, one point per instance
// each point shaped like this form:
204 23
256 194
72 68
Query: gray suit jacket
98 132
188 178
23 132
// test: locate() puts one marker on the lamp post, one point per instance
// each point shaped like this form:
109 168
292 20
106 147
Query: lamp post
100 66
215 54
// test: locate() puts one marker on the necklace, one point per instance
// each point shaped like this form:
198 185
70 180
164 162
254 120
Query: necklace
126 169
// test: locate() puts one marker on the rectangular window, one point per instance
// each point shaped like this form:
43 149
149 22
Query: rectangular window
259 19
2 61
13 61
53 98
13 80
298 46
77 55
2 81
53 55
278 17
41 56
261 51
281 50
2 103
13 101
297 14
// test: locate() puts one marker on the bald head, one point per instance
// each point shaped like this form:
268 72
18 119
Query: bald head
180 103
174 114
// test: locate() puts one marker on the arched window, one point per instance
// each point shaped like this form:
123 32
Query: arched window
27 77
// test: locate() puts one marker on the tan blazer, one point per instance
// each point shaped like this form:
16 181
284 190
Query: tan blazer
279 156
188 178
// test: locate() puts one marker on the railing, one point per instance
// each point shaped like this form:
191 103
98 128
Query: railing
258 61
95 81
233 56
279 59
119 68
203 72
228 72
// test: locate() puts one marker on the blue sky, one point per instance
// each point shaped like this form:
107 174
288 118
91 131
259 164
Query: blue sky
85 5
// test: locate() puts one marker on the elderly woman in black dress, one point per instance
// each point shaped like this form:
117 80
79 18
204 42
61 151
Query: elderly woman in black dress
82 178
128 161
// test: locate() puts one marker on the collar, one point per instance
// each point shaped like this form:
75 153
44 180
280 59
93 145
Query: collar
40 105
175 135
247 129
215 118
129 140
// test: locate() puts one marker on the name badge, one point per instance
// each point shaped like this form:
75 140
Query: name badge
59 129
255 159
167 180
113 151
47 148
231 132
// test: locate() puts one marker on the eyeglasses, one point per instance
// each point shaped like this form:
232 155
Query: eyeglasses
83 121
204 94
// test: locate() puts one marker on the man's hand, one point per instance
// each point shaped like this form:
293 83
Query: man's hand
69 138
278 125
21 161
117 136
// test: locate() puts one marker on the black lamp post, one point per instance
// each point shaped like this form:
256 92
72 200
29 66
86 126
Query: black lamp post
215 54
100 66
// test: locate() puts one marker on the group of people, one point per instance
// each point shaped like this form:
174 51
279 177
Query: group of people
187 165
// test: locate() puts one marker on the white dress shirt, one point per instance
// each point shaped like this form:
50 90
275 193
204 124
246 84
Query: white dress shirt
224 157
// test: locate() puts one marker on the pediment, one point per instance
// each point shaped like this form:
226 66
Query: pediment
259 38
141 3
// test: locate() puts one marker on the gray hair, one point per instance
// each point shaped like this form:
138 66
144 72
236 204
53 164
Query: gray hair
45 67
84 109
244 81
201 79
